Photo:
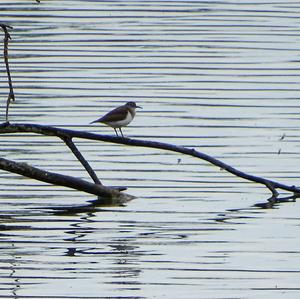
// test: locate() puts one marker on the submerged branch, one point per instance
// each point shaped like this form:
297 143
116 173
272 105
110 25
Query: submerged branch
64 133
62 180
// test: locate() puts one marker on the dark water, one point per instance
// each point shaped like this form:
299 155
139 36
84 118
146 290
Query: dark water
219 76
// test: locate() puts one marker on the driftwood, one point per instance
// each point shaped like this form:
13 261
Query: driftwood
96 188
57 179
65 134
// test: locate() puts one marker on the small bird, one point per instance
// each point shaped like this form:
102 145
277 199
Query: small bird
119 117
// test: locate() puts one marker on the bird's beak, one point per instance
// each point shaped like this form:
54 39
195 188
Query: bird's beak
139 107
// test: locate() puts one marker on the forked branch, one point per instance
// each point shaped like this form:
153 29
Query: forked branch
69 134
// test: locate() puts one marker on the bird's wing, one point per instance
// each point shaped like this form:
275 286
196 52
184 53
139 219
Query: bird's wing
116 114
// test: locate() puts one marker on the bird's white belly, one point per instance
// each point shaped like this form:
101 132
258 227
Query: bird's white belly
121 123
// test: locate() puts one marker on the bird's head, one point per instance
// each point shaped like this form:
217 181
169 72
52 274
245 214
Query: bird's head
133 105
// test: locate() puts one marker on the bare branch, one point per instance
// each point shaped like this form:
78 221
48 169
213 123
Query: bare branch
63 133
63 180
81 159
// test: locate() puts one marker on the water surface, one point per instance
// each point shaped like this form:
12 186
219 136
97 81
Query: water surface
221 77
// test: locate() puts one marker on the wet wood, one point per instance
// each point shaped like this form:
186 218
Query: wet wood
59 179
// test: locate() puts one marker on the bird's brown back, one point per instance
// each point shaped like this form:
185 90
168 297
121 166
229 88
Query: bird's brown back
116 114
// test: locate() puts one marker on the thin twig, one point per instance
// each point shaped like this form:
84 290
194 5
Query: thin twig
11 95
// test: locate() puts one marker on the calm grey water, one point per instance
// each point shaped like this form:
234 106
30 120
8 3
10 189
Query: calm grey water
219 76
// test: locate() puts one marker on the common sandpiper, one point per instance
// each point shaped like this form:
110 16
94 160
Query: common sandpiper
119 117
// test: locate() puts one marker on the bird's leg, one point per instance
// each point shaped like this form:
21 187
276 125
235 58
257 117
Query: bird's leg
116 132
121 132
